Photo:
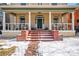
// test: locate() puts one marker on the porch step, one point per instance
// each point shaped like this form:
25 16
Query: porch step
41 40
39 34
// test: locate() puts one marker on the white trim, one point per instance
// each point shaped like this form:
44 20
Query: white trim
11 30
27 30
50 28
3 20
73 21
66 31
29 21
43 26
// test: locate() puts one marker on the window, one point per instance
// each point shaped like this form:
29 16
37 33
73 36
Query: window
22 19
77 3
23 3
70 17
3 3
1 14
77 20
71 4
0 25
55 20
54 3
39 3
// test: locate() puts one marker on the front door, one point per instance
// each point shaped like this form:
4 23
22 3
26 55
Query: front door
39 23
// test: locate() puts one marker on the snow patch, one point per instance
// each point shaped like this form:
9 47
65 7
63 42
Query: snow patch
67 47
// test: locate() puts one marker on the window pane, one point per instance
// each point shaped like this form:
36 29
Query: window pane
39 3
23 3
22 19
54 3
1 13
55 20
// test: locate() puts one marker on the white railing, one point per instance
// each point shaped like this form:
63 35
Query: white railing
24 26
16 26
61 26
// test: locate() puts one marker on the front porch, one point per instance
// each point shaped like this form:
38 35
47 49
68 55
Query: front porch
45 21
61 19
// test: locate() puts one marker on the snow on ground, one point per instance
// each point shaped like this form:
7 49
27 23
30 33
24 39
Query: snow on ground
21 46
68 47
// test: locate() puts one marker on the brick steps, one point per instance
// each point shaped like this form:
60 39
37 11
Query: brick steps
43 38
39 35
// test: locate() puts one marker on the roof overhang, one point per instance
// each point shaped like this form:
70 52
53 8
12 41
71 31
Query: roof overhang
32 9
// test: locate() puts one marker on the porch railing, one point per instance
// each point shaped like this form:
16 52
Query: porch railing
61 26
16 26
24 26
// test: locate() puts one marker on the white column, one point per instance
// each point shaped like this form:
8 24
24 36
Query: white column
50 26
29 21
11 21
4 21
73 21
